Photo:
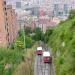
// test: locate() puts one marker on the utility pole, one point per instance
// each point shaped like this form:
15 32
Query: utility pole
42 27
24 43
24 37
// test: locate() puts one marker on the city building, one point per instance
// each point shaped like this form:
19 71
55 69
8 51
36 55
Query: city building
13 25
42 23
18 5
8 24
3 25
62 7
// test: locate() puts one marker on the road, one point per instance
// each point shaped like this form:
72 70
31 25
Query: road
41 68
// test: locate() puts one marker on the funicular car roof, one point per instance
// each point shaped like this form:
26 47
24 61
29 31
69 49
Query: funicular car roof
39 48
46 53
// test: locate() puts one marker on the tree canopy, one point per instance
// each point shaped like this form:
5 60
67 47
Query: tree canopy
39 35
72 14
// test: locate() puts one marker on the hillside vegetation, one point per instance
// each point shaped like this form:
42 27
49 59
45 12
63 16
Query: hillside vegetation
27 66
18 59
9 59
62 42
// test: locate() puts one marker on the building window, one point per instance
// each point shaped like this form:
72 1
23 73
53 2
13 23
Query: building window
5 2
5 8
7 24
7 30
6 18
5 27
8 39
6 13
8 34
11 11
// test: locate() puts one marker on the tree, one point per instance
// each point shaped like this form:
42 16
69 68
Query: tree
28 30
48 34
72 14
29 42
38 35
19 43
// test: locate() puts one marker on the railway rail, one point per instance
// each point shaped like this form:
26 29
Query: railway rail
41 68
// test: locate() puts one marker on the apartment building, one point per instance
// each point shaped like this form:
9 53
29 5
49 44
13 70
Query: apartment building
3 25
62 7
8 24
16 26
12 24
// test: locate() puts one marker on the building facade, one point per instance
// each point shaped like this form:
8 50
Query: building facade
3 24
8 24
13 26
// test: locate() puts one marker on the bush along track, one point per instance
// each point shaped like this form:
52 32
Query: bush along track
62 42
26 67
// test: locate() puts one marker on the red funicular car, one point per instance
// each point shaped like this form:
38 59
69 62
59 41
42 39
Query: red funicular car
39 51
47 57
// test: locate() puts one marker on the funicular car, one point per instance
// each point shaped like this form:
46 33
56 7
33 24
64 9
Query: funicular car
47 57
39 51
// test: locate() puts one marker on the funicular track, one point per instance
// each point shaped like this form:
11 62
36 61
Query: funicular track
40 67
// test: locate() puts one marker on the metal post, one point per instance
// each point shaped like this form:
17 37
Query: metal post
42 27
24 37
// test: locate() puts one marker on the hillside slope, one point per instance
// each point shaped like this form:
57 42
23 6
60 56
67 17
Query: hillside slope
62 42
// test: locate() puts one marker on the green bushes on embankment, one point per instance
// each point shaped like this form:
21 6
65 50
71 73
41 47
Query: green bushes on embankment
9 59
62 42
